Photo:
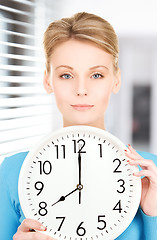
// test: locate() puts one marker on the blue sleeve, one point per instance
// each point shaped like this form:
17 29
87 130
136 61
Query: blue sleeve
150 156
149 226
149 222
10 213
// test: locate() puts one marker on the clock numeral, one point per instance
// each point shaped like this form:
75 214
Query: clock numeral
43 211
118 206
81 231
101 220
39 186
119 163
57 151
82 143
100 145
122 186
63 218
45 167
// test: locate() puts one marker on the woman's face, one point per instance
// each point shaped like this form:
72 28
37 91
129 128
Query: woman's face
82 79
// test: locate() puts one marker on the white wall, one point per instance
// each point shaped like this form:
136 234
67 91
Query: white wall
128 17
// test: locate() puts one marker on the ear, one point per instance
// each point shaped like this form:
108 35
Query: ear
117 82
46 83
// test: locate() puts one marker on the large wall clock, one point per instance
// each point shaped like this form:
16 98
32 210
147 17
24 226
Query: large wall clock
77 182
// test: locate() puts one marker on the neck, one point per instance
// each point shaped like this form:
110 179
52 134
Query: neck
98 124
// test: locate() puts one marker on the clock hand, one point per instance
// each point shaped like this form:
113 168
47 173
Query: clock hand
79 163
80 186
62 198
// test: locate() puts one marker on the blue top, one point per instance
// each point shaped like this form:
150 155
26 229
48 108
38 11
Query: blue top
142 227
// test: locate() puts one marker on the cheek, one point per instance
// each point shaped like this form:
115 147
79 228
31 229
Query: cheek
59 90
59 96
62 94
103 95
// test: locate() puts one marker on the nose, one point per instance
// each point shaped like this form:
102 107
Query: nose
81 87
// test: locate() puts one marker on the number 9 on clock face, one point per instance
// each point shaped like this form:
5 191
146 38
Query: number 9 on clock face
78 183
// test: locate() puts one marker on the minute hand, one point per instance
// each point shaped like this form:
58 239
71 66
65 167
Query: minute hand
80 185
79 164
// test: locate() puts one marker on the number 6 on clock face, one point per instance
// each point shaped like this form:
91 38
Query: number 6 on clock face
77 182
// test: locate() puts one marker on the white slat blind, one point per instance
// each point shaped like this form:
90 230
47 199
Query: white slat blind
26 111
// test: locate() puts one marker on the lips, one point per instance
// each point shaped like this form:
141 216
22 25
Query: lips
82 107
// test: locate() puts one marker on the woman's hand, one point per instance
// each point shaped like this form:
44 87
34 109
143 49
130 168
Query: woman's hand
24 231
149 182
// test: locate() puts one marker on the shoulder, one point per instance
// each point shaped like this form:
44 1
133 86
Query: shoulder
13 163
148 155
9 176
10 167
11 213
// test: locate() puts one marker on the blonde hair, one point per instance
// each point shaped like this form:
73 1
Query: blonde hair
81 26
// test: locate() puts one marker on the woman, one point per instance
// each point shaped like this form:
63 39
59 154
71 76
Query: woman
82 71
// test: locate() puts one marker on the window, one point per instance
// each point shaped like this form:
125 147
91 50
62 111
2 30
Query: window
25 109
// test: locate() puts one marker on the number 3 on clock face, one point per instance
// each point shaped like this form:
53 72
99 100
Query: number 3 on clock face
77 182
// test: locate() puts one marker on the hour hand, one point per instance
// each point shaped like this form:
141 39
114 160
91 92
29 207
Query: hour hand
62 198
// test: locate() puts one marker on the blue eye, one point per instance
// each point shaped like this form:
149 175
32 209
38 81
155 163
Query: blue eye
66 76
97 75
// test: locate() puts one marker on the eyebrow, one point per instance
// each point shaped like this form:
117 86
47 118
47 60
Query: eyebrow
99 66
66 66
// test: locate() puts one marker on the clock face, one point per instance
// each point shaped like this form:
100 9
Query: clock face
77 182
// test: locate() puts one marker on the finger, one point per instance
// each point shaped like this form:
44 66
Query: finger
150 175
132 150
34 236
146 173
132 154
28 224
145 164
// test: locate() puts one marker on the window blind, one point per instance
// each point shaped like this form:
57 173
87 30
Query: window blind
26 111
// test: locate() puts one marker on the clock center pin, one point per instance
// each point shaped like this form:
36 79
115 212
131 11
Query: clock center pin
79 186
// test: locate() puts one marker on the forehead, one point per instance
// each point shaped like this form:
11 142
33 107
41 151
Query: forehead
77 54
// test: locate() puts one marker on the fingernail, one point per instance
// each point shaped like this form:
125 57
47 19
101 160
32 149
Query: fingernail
129 145
125 150
135 174
130 161
43 228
